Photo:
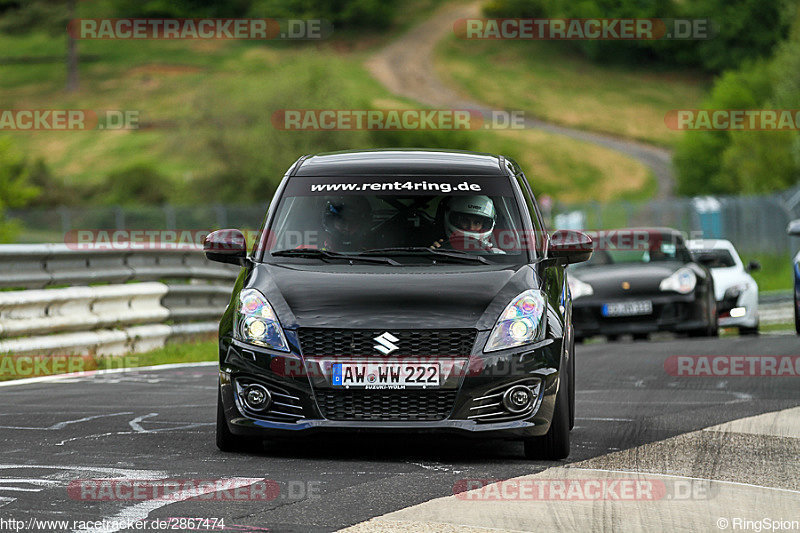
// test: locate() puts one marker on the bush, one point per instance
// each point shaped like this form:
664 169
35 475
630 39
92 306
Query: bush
698 156
54 192
517 8
342 13
15 188
743 30
181 8
136 185
26 16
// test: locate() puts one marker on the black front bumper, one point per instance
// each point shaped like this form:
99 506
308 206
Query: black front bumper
315 406
671 312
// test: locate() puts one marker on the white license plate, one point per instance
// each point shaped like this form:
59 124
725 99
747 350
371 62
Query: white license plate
385 375
644 307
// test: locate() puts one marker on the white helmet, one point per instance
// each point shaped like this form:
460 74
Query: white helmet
471 216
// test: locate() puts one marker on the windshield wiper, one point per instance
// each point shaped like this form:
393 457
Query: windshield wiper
327 254
422 250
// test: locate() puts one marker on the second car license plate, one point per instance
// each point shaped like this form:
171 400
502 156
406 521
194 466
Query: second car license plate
644 307
385 375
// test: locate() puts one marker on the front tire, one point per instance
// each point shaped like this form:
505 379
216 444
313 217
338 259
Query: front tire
796 314
712 329
227 441
554 445
572 388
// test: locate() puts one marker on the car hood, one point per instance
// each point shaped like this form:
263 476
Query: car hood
607 280
377 297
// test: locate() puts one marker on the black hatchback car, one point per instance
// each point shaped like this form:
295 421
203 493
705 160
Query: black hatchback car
397 290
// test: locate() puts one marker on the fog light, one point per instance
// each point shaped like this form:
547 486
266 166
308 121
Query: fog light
518 399
257 397
737 312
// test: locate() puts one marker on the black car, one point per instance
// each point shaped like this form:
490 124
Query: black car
400 291
640 281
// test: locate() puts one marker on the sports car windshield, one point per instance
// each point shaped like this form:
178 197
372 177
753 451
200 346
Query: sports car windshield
658 251
714 258
409 220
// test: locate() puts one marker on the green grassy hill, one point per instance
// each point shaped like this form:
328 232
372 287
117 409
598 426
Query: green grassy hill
205 133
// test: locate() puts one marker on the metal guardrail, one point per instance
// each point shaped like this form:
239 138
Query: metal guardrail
33 266
101 311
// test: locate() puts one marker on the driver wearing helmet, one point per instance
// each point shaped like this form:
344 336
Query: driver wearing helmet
346 221
468 223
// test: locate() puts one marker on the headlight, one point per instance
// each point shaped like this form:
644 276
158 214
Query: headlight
578 288
255 322
736 290
522 322
682 281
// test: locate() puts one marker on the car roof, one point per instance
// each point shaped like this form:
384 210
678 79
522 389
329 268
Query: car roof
396 162
657 230
710 244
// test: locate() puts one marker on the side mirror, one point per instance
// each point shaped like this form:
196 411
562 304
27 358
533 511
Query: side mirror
753 266
225 246
794 228
571 246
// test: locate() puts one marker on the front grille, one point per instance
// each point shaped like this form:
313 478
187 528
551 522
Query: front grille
331 342
386 405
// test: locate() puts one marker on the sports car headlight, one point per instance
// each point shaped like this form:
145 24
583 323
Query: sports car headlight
735 291
579 288
522 322
682 281
255 322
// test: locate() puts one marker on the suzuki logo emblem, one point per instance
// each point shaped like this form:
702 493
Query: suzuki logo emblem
386 343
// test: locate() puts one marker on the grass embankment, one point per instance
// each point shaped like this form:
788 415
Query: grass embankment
558 84
775 274
205 117
28 366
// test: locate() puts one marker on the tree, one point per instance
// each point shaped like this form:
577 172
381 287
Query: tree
747 162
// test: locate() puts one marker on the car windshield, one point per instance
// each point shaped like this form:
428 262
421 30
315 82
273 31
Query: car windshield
657 248
412 220
714 258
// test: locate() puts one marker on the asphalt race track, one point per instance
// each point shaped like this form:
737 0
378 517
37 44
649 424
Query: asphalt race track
159 424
